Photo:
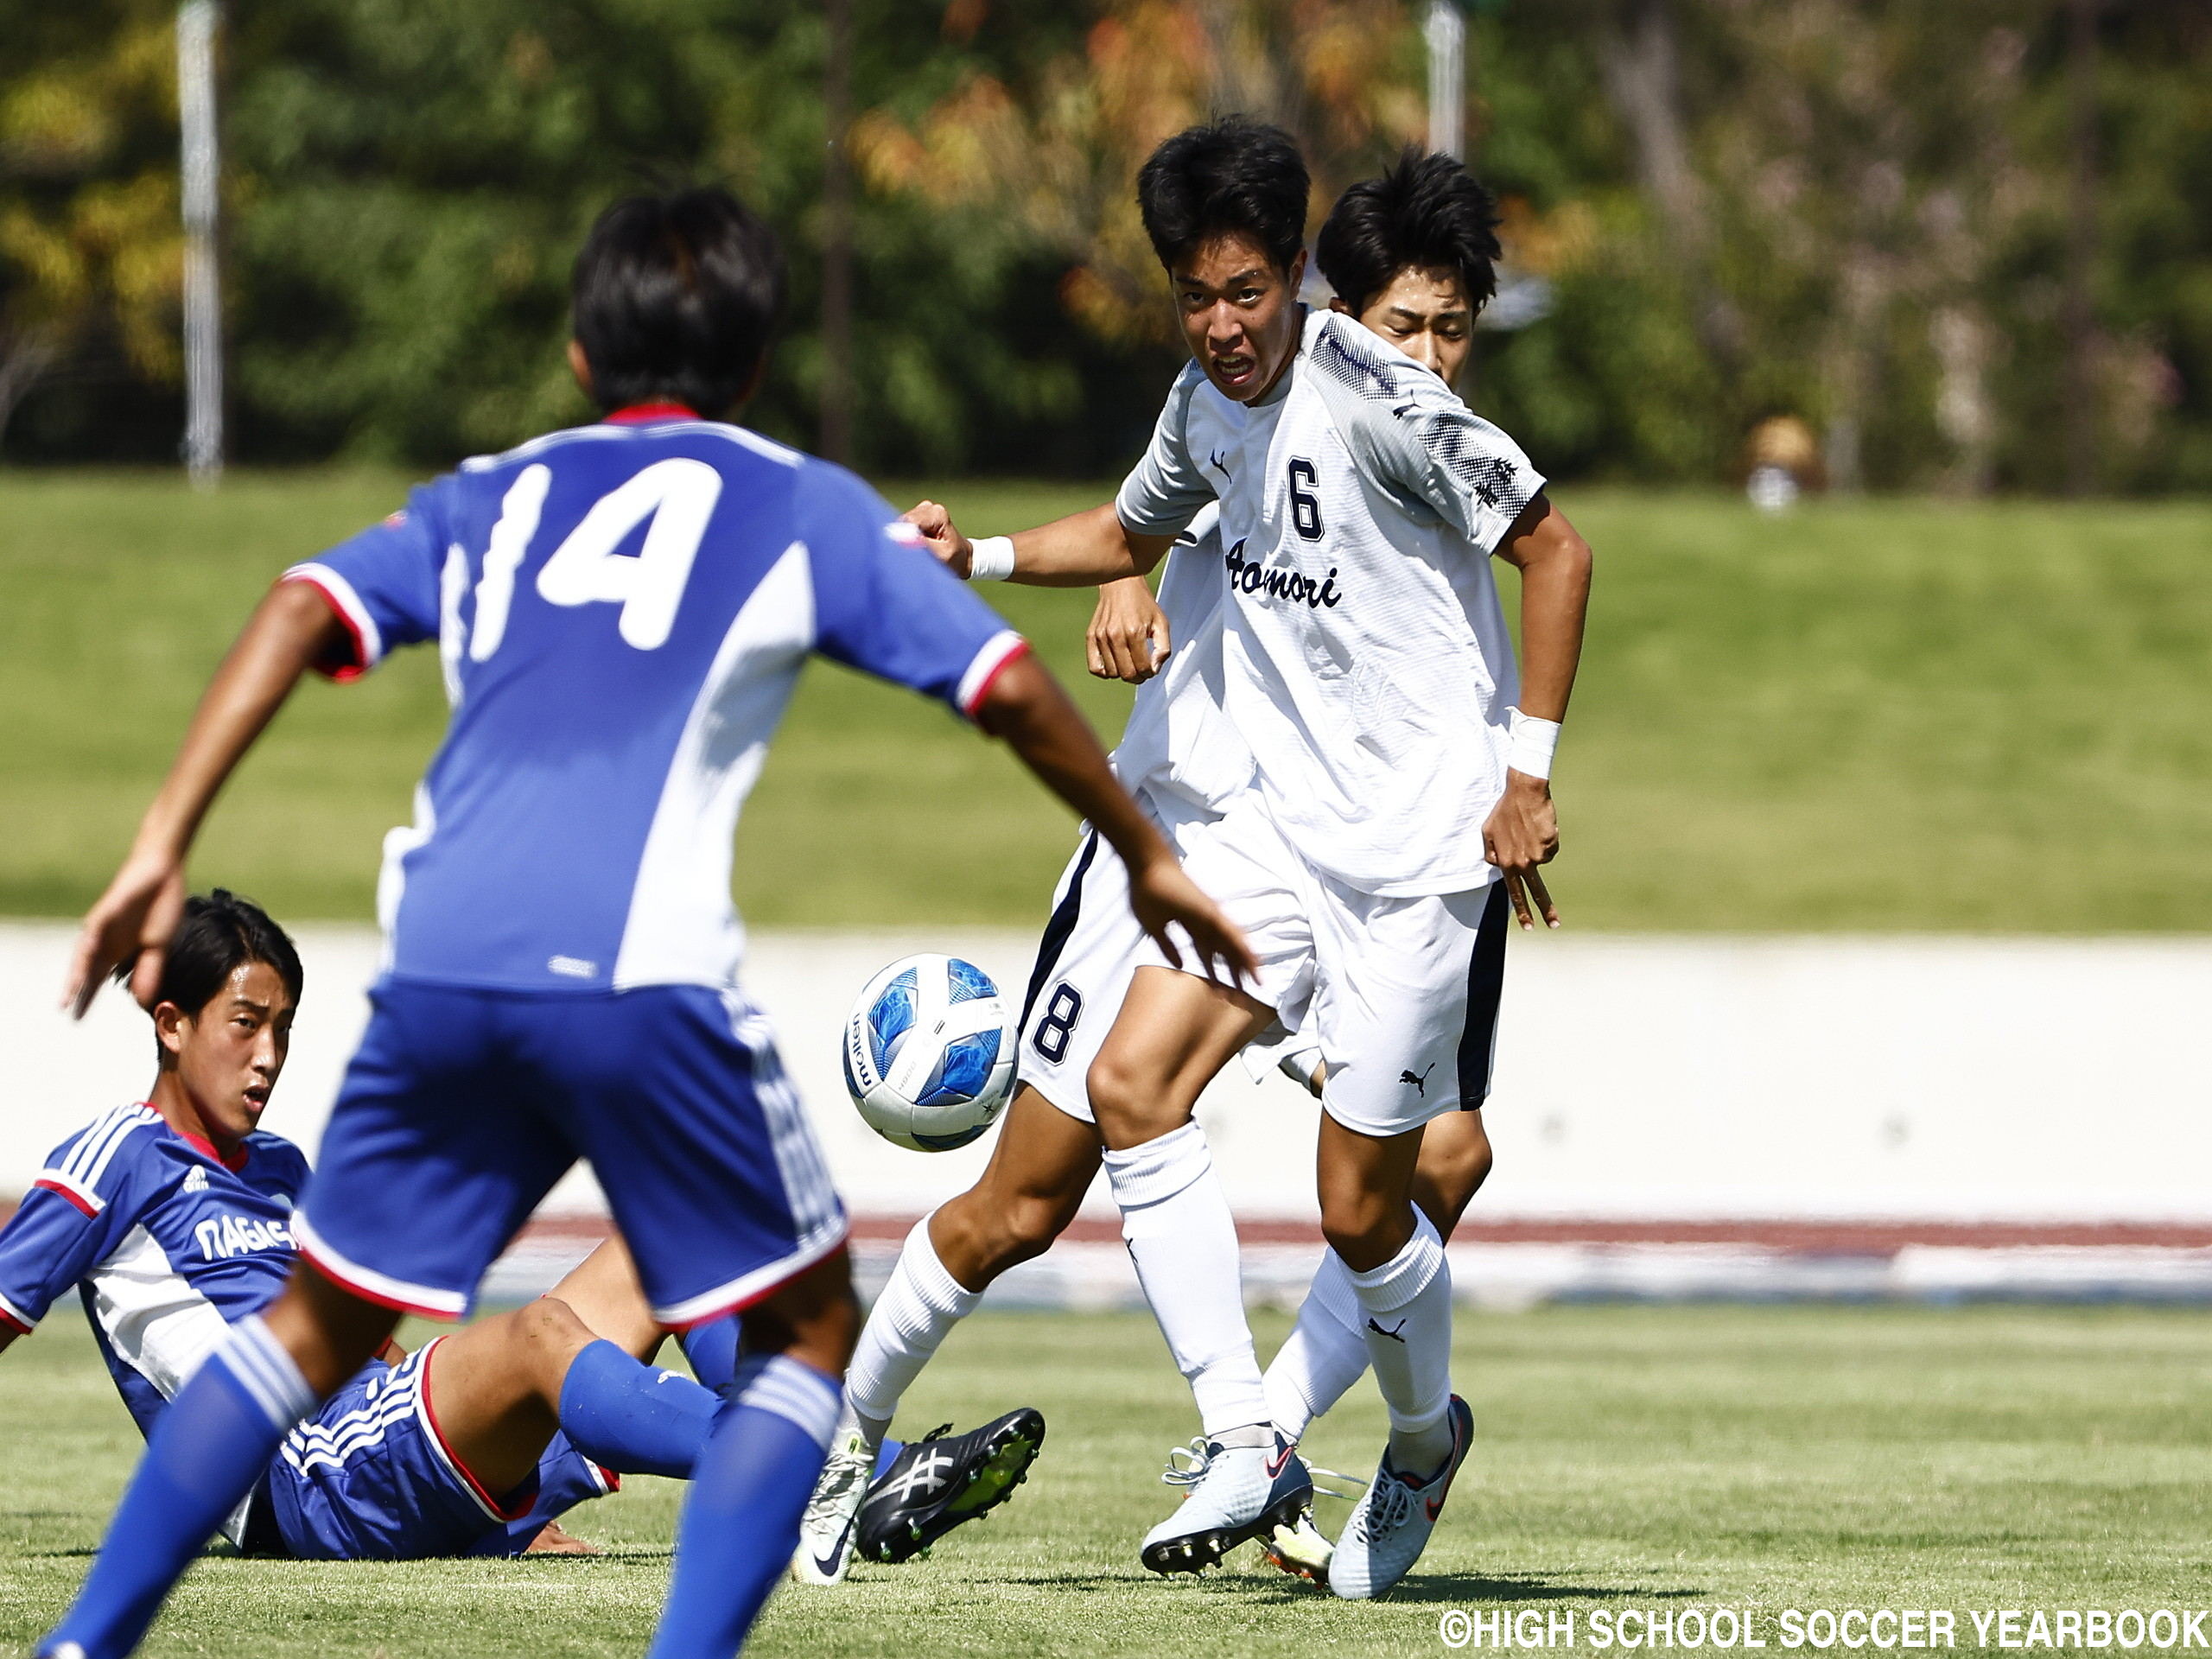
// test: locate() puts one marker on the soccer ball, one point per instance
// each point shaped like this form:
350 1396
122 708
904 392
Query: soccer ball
929 1052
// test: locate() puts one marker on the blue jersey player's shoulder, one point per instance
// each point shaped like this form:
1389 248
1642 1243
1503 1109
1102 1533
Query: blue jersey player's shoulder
97 1164
275 1165
85 1198
389 584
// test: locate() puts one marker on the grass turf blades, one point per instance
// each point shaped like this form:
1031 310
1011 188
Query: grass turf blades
1626 1458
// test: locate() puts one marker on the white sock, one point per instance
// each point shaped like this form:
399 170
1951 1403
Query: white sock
1326 1352
1407 1328
919 1307
1177 1223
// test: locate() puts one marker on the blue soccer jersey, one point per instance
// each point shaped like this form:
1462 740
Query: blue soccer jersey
166 1246
164 1243
622 611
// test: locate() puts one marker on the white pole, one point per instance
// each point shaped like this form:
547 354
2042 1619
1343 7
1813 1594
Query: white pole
196 22
1445 30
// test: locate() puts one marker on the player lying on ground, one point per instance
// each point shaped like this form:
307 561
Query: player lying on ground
622 611
1404 252
1399 771
170 1220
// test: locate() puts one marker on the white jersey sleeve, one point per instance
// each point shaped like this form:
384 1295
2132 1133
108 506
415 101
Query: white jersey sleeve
1168 486
1434 456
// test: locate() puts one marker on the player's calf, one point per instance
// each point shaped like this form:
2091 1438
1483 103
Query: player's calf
758 1469
981 1233
502 1387
1456 1159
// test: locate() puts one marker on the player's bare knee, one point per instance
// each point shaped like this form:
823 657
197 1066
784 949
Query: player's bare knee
1029 1225
1457 1177
1131 1107
1110 1085
1365 1229
542 1340
551 1323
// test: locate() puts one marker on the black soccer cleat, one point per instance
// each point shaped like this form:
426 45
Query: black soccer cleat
935 1484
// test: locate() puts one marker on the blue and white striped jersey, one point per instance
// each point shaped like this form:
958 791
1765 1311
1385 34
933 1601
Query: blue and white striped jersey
165 1245
622 611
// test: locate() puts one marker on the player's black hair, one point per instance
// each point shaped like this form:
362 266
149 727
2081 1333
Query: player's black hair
1232 175
1425 211
675 297
217 933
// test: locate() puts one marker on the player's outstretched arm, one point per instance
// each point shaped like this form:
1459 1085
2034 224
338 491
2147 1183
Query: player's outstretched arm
292 628
1128 637
1027 706
1081 550
1523 832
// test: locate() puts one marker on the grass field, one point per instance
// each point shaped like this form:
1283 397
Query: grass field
1627 1458
1883 715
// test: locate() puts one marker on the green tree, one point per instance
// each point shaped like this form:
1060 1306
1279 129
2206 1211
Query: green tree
91 252
414 179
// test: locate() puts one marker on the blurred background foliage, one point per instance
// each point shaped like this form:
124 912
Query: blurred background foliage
1971 243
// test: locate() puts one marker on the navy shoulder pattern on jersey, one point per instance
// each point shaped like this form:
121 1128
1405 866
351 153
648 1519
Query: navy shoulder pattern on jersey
1417 441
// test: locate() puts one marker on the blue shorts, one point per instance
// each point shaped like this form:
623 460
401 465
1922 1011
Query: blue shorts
461 1108
369 1479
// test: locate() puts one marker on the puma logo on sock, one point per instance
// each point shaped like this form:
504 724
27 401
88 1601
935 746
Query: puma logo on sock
1393 1335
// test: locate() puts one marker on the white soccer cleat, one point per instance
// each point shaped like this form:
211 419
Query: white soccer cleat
1391 1523
1300 1548
1235 1493
825 1531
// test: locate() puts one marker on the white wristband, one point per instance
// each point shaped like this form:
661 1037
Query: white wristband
1532 743
990 559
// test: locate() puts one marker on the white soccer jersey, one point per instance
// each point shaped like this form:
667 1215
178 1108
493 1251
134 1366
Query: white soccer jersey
1178 740
1366 661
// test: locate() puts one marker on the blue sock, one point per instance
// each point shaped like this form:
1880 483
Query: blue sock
712 1350
631 1417
740 1521
202 1458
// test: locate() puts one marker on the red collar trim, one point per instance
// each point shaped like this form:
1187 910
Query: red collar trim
638 414
205 1148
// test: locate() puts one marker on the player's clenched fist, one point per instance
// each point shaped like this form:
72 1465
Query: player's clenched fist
1128 638
934 520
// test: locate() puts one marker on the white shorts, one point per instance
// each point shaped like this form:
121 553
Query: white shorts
1090 947
1400 994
